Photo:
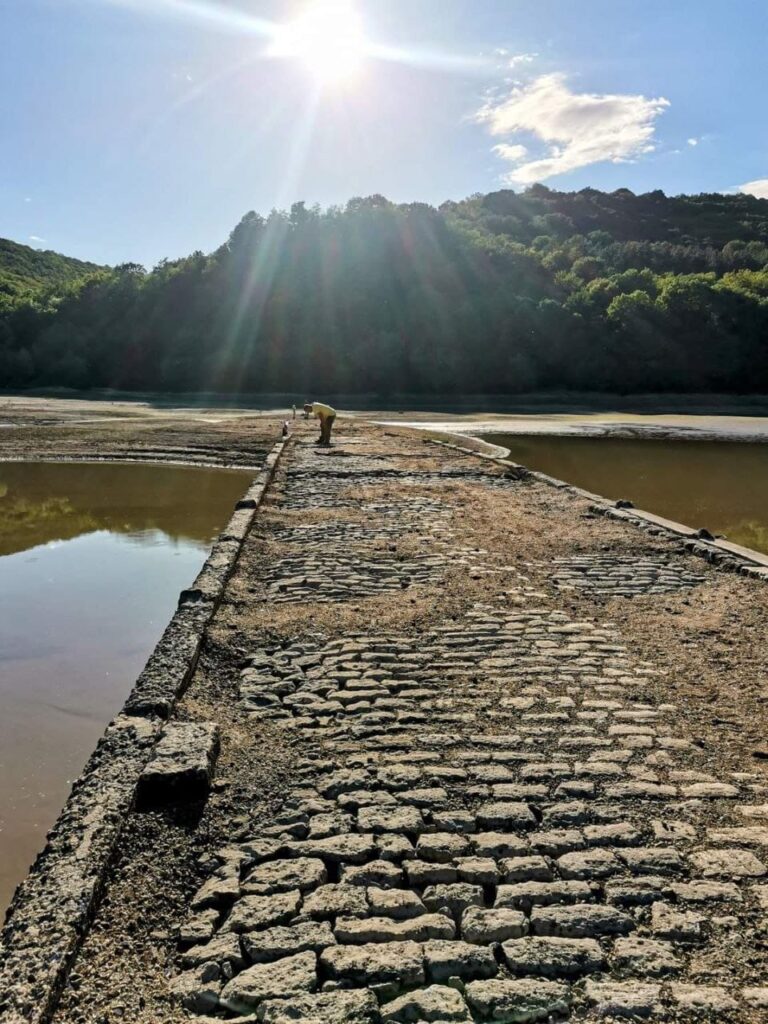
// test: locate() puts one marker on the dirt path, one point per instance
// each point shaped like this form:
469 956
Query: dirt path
485 757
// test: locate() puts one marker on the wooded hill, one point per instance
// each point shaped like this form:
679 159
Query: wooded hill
23 269
498 293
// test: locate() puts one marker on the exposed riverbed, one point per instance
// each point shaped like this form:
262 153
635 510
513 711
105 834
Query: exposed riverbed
92 558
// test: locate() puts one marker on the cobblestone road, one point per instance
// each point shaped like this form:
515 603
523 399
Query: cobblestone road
493 818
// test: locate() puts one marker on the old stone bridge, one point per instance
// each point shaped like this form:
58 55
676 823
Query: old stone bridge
431 739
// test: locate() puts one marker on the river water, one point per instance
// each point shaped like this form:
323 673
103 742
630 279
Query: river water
720 485
92 559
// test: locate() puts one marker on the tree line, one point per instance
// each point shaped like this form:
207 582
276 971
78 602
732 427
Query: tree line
499 293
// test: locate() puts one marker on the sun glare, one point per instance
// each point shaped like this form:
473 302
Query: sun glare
327 37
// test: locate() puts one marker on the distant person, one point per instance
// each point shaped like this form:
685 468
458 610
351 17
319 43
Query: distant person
294 411
286 429
326 414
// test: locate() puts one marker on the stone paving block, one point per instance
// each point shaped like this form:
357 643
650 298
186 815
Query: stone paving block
617 834
442 847
730 863
216 892
198 927
706 892
358 931
198 990
557 842
703 997
591 864
553 957
303 873
757 997
633 1000
498 844
394 847
454 821
750 835
445 960
276 943
709 791
517 1001
568 812
653 860
481 870
526 869
640 791
679 925
381 873
400 904
337 849
287 977
482 926
525 895
223 948
436 1003
505 815
582 920
181 767
645 956
330 901
397 819
455 897
340 1007
401 963
638 892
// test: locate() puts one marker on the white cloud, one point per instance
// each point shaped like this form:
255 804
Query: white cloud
36 238
693 142
521 58
577 129
513 154
758 188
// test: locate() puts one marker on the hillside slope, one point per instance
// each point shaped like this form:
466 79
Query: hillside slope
499 293
23 268
709 219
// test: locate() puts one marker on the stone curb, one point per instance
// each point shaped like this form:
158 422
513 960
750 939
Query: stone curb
721 553
53 907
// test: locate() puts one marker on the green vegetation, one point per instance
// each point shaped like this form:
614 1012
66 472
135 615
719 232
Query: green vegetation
22 270
497 294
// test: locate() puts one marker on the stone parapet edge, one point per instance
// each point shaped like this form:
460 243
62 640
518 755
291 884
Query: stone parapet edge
52 909
721 553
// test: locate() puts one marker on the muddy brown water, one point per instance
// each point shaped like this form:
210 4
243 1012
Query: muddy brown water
92 559
719 485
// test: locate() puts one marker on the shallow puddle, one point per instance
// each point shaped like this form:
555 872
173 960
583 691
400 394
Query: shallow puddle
92 559
720 485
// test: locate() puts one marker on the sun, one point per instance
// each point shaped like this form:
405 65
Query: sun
327 38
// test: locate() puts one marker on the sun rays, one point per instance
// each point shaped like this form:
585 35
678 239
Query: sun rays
327 39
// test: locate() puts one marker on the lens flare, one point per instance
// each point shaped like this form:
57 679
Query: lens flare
327 38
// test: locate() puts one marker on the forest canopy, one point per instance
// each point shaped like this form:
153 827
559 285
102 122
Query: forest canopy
498 293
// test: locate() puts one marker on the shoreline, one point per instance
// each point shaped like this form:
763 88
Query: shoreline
673 427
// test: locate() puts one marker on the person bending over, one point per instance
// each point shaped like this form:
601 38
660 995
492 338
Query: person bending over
326 414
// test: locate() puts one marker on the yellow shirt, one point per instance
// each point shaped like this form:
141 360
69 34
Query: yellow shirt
321 411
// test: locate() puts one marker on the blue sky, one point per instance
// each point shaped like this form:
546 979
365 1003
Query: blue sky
143 129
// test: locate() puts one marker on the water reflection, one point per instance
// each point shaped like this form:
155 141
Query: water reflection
44 501
92 558
720 485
